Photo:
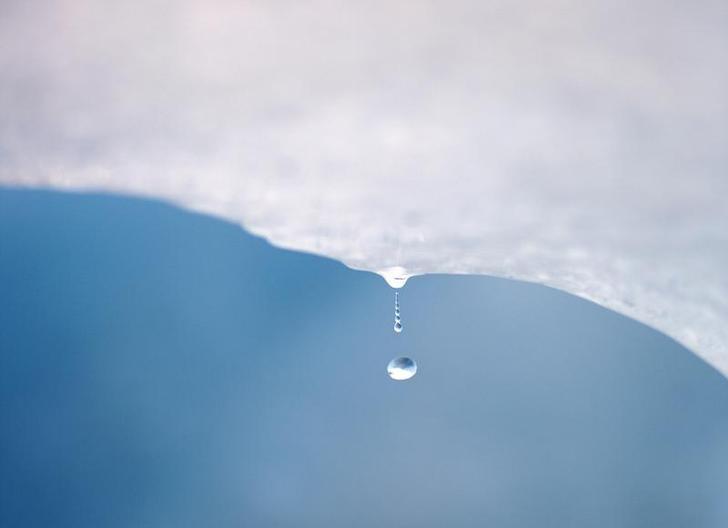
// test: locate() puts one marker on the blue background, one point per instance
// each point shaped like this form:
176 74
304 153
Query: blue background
164 369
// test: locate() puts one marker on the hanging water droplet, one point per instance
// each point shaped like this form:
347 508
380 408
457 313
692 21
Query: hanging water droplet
401 368
397 327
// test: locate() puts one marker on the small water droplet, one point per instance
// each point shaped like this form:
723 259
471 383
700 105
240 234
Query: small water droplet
397 327
401 368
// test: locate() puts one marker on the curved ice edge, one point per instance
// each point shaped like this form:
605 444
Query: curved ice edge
395 276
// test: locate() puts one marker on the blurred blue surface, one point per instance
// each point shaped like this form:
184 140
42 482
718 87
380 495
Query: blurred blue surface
164 369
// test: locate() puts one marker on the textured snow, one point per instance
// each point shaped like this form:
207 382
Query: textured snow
578 144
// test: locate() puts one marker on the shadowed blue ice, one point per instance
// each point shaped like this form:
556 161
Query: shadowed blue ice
160 368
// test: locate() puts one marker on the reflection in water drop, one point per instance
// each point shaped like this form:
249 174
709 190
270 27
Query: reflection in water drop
401 368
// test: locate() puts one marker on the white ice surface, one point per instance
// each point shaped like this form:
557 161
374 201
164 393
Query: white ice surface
580 144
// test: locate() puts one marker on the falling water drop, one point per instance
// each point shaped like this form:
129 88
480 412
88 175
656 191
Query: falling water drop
401 368
397 318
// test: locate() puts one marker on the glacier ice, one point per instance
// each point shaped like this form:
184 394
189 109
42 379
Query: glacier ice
579 144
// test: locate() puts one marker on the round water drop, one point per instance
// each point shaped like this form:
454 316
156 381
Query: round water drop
401 368
397 327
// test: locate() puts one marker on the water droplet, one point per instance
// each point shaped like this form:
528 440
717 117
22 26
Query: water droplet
395 276
397 318
398 327
401 368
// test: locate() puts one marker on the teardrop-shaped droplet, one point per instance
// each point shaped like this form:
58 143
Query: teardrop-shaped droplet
397 327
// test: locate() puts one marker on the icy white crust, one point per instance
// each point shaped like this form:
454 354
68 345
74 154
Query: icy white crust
579 144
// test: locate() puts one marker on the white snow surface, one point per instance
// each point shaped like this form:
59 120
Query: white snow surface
580 144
